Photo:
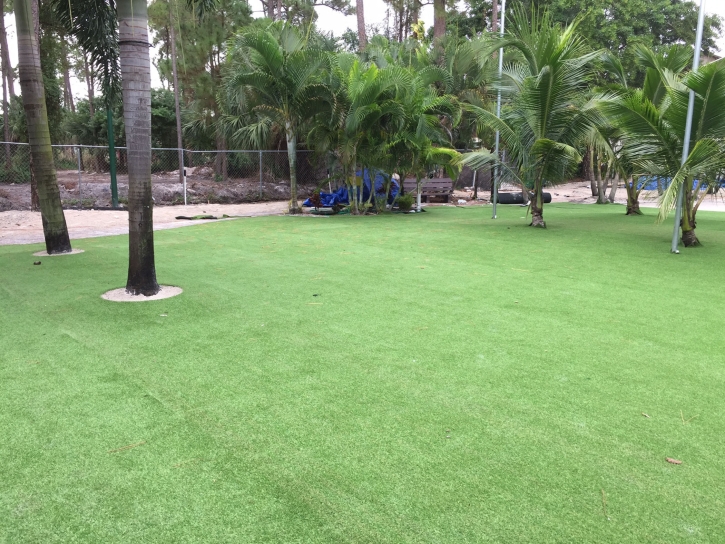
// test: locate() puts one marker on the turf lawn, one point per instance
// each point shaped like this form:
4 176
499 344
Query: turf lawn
456 379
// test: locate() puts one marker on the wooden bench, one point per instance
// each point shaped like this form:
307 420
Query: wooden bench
437 188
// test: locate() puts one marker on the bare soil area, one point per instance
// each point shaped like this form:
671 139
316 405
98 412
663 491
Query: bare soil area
25 227
93 190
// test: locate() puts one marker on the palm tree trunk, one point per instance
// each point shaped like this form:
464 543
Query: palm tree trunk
179 135
494 18
31 85
537 205
590 158
136 89
689 238
439 19
67 91
632 197
613 191
5 53
294 206
6 122
361 34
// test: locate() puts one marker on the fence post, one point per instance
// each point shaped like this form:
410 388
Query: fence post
260 175
80 179
112 159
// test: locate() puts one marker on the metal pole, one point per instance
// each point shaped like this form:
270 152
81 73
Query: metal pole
498 110
179 133
112 159
260 174
183 170
688 129
80 178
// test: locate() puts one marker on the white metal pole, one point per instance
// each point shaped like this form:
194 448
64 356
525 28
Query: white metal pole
498 110
80 176
688 128
183 171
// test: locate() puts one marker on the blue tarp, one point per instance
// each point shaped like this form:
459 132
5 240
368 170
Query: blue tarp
651 183
341 196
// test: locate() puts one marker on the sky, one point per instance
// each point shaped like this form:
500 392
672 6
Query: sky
328 21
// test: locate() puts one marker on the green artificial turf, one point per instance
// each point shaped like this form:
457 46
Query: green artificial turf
456 379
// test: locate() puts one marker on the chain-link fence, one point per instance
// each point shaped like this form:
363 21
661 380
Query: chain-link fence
84 174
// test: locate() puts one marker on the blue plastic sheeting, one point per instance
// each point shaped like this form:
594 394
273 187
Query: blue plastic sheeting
651 183
341 196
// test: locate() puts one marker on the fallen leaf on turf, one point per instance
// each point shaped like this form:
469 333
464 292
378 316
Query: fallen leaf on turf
673 461
645 415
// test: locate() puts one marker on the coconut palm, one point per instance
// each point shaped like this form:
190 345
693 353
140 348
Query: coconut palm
664 65
276 77
653 137
55 230
547 116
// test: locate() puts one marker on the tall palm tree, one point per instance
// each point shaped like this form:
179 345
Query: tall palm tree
653 137
136 92
547 116
116 36
55 230
276 76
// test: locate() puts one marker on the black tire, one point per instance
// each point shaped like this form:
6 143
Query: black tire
516 198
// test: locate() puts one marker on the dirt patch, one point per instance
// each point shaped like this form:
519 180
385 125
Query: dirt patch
93 190
120 295
25 227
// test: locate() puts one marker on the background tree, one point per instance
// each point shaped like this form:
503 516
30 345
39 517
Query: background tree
33 95
547 118
277 78
653 133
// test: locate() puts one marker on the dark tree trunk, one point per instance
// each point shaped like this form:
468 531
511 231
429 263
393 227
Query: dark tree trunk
633 208
537 207
613 190
439 21
689 238
136 89
5 53
361 33
36 114
67 91
494 17
6 120
589 168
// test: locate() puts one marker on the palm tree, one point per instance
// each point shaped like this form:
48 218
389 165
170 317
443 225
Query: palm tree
653 128
365 107
116 36
547 117
55 230
665 64
277 78
136 92
425 140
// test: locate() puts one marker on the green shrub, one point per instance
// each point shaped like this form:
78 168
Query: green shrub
405 202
